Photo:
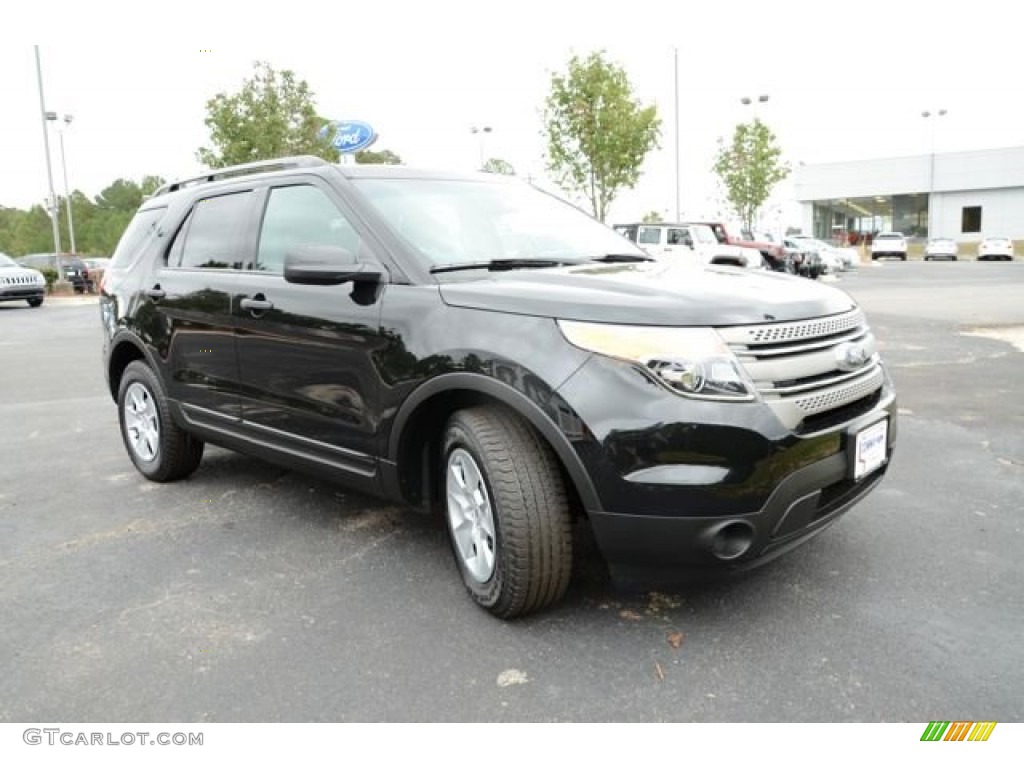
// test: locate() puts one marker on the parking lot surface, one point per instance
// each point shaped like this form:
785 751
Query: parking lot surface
250 593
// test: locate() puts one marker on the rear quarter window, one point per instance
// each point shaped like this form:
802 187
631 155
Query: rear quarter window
133 241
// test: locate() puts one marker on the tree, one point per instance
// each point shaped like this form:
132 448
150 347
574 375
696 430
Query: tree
384 157
749 167
597 133
497 165
652 217
273 115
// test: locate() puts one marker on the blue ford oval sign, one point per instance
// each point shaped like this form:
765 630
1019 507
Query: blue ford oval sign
349 135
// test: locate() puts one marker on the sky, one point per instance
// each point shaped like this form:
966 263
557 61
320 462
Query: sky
845 82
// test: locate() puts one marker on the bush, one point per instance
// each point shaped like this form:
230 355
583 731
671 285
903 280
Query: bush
51 275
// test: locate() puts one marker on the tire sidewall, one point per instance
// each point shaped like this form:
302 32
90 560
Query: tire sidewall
141 374
489 592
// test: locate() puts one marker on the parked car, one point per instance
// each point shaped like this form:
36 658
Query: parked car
71 268
941 248
468 344
693 243
844 257
20 283
96 263
995 248
773 254
889 245
813 257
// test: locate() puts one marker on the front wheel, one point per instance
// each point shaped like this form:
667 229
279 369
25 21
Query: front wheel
158 447
35 302
507 512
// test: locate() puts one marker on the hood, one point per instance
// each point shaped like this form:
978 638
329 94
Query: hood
650 293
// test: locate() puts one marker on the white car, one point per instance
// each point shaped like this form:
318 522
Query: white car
996 248
889 245
19 283
694 243
849 257
941 248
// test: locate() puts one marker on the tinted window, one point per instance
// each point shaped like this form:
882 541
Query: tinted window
129 248
211 238
301 215
679 237
650 235
970 219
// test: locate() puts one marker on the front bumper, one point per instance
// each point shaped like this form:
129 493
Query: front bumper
713 486
22 292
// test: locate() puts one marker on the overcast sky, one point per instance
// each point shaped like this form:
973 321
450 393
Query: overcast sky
845 81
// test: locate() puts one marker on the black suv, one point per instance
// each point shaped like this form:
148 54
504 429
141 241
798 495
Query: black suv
470 344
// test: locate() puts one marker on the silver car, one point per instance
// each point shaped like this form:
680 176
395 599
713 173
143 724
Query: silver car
941 248
18 283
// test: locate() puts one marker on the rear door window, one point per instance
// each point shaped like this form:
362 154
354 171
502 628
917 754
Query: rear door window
212 237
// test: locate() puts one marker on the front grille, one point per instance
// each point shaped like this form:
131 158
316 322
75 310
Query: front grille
799 368
19 280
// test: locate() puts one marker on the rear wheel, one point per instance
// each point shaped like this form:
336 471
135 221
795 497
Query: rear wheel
507 512
158 447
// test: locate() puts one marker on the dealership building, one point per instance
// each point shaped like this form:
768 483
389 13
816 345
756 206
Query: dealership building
963 195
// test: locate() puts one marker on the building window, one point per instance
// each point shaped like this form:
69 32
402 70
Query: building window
970 220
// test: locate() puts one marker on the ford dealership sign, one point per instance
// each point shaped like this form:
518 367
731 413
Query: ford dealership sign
349 135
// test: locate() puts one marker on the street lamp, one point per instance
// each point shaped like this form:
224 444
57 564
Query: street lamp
931 172
52 117
480 130
761 99
51 204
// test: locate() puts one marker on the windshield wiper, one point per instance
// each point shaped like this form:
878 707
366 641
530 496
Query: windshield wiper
499 265
621 258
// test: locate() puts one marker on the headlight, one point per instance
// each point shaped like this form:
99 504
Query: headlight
694 362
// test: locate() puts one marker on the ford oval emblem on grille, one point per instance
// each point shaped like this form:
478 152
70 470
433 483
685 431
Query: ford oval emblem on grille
851 356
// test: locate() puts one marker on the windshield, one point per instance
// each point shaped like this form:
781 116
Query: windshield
457 221
7 261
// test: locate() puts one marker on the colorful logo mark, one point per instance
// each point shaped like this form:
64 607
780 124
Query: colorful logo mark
957 731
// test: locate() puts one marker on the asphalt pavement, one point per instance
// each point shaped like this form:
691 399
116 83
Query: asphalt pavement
251 593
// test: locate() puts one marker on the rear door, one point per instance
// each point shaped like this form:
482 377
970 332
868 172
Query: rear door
188 306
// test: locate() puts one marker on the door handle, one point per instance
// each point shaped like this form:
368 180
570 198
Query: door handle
256 304
156 292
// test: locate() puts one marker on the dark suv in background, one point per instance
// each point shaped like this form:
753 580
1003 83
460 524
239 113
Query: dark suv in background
468 344
71 268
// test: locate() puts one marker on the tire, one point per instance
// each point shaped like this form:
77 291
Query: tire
518 489
35 302
158 447
903 257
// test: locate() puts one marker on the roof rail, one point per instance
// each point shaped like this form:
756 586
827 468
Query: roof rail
260 166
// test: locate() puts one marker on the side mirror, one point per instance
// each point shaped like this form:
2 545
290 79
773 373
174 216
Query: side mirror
327 265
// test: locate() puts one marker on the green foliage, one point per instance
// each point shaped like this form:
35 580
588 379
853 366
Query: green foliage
497 165
50 275
749 167
99 223
597 133
652 217
273 115
384 157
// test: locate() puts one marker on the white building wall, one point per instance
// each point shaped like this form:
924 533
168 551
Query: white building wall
1002 213
954 171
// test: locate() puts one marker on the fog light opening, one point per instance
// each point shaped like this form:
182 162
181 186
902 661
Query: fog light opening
732 540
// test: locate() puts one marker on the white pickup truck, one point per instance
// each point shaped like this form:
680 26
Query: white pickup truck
695 243
889 245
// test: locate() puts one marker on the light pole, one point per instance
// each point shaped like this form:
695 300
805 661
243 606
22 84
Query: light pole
52 116
931 162
675 53
480 130
52 203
